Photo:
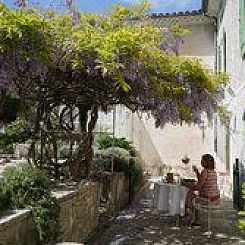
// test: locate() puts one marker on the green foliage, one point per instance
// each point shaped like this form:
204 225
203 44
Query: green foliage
26 184
16 132
16 25
114 39
87 60
28 187
121 163
46 212
241 223
131 166
224 114
117 58
5 199
106 141
137 173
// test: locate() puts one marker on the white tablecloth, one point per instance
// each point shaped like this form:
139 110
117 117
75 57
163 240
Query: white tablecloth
170 198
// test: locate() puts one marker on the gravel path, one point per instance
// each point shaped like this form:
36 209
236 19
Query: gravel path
141 224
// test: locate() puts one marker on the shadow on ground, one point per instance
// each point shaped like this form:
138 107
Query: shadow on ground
141 224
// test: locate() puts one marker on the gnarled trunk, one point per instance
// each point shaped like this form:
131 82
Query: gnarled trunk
81 160
59 127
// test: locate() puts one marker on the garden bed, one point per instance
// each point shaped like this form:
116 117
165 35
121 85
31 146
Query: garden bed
79 214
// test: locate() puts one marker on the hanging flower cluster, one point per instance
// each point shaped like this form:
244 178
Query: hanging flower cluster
81 59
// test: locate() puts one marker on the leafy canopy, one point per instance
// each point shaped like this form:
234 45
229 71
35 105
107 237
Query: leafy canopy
83 59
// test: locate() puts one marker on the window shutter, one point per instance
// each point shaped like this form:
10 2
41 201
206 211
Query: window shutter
242 27
224 52
219 60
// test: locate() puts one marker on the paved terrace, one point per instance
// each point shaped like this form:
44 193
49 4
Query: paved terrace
141 224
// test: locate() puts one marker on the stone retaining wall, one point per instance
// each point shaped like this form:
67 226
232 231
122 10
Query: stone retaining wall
79 213
118 193
18 228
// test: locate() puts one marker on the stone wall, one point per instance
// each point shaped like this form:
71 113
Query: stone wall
79 213
114 191
18 228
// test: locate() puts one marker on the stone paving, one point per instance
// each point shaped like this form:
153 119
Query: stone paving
141 224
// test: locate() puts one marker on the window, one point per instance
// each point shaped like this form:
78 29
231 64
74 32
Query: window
242 27
218 58
222 53
227 147
216 134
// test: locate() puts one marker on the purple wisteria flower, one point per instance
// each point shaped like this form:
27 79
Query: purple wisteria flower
69 2
167 112
74 16
20 3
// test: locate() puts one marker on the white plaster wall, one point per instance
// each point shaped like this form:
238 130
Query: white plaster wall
172 143
199 43
122 122
146 146
237 106
230 24
236 71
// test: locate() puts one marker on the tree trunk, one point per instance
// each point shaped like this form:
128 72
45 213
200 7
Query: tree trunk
81 163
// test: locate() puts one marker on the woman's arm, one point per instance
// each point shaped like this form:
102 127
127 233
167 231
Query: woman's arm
195 169
201 180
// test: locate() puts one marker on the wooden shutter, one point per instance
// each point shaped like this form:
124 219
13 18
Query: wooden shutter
242 27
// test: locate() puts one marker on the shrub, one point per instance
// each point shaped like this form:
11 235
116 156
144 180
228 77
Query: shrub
26 184
242 213
16 132
5 199
106 141
137 173
120 164
28 187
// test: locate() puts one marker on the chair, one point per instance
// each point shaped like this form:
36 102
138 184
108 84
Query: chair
203 204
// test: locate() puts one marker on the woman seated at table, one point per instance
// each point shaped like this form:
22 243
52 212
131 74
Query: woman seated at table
206 186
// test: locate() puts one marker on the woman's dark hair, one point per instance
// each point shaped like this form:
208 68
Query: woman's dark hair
208 161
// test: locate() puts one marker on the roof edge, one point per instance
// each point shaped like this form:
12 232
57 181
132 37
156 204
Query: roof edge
177 14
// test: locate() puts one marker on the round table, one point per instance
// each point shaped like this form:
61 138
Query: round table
170 198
